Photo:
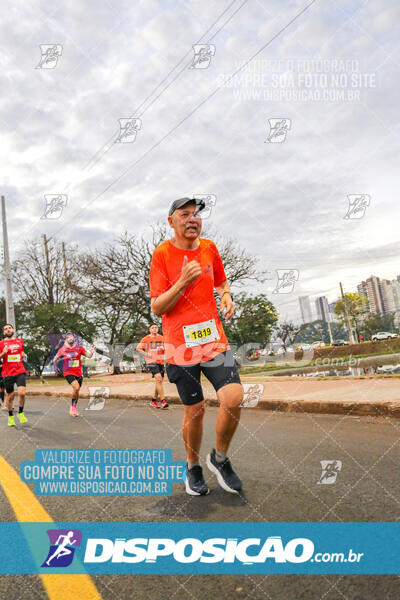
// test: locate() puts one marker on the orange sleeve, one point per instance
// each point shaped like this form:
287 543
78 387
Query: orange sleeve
218 267
158 274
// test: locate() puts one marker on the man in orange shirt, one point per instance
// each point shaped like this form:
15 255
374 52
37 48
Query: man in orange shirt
183 274
151 346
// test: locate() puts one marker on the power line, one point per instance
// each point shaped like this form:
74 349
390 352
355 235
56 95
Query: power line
113 138
173 129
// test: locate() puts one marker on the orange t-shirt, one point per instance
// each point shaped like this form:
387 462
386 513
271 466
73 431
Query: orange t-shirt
197 303
153 345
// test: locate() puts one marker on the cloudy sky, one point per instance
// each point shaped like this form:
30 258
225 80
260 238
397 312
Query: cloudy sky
330 77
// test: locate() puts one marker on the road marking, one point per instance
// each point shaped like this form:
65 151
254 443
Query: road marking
28 509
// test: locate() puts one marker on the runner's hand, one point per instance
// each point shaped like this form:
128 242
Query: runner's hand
227 307
190 271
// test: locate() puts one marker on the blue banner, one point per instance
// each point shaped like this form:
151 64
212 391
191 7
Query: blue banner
209 548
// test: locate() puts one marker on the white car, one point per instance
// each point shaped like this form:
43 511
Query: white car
383 335
386 369
318 344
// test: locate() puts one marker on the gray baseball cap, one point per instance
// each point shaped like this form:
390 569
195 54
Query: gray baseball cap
183 201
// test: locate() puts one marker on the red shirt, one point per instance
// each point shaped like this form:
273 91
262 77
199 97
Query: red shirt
154 348
12 361
72 359
195 306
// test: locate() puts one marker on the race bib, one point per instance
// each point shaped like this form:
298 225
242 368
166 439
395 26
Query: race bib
200 333
14 358
72 364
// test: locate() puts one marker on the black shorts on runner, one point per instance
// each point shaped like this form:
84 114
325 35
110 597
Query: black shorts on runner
11 380
71 378
220 371
1 383
155 368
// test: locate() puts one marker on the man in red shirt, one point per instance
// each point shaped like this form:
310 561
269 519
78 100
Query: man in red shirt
13 372
151 346
71 354
183 274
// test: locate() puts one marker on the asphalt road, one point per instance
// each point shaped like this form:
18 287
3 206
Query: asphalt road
278 457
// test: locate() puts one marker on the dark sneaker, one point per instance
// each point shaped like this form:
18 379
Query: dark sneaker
226 476
154 403
195 484
164 404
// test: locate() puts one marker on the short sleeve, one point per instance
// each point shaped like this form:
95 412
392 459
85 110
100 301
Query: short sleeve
158 275
82 350
218 267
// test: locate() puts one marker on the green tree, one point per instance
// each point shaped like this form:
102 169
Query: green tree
372 323
255 317
287 331
356 305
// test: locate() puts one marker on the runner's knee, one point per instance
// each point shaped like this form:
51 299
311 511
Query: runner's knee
231 395
194 411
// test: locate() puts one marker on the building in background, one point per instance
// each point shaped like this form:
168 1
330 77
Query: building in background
322 308
305 309
331 309
372 290
383 296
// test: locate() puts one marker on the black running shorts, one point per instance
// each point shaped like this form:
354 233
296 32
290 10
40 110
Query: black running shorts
220 371
155 368
71 378
11 380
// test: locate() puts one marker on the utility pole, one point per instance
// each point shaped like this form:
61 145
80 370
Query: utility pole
329 328
10 313
346 314
66 277
48 272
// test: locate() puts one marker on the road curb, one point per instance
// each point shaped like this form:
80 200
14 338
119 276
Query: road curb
374 409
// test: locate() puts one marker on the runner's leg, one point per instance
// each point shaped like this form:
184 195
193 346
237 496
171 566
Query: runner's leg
10 402
159 387
21 397
230 396
75 393
192 430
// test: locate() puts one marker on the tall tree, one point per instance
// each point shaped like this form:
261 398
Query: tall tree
255 317
357 307
287 331
116 280
45 278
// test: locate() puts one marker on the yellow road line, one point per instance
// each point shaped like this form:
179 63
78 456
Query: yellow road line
28 509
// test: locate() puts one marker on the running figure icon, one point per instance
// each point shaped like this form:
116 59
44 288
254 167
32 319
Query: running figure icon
62 547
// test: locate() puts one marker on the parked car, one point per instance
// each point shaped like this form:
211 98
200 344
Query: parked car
346 373
318 344
340 343
383 335
388 369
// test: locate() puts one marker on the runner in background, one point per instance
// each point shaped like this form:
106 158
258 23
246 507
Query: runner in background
13 372
152 347
2 404
71 353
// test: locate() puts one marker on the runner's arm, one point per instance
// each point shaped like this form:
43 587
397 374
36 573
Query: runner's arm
166 301
139 348
226 305
89 353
